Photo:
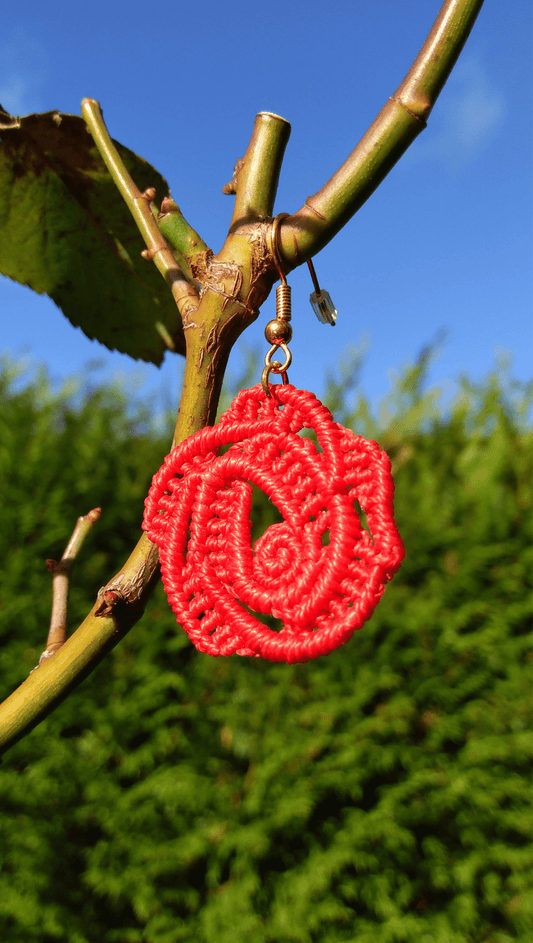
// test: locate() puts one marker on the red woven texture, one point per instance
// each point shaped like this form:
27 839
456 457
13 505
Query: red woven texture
198 512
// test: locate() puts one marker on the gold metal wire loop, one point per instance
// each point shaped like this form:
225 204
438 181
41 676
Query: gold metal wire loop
265 375
274 366
279 328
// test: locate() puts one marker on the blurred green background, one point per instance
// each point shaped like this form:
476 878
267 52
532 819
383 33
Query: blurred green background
380 794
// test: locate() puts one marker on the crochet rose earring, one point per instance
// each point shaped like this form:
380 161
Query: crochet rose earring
320 572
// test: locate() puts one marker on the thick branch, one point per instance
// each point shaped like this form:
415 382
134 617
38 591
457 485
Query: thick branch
395 128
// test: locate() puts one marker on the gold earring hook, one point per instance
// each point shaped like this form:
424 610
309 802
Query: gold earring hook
278 332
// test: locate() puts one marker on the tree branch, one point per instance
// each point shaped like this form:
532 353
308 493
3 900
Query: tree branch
232 290
185 295
44 689
256 180
57 634
185 241
395 128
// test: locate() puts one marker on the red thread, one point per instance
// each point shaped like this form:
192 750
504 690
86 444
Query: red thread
198 513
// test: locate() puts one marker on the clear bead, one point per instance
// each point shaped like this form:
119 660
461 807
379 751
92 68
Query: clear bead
323 307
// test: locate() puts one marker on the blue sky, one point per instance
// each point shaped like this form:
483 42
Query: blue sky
445 242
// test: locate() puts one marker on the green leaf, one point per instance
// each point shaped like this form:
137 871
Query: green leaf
66 231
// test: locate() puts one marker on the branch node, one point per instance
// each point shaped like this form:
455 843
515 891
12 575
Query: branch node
231 188
425 106
94 515
108 600
168 206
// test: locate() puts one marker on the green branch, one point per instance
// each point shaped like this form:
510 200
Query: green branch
256 179
188 247
139 205
395 128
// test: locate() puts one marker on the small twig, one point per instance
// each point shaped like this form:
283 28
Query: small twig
185 295
57 634
189 247
256 179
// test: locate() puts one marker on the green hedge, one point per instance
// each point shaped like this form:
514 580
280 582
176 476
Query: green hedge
380 794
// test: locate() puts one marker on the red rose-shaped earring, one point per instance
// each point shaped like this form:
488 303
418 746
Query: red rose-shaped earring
320 572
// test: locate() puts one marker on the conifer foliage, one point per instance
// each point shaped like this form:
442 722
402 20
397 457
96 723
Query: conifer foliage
376 795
